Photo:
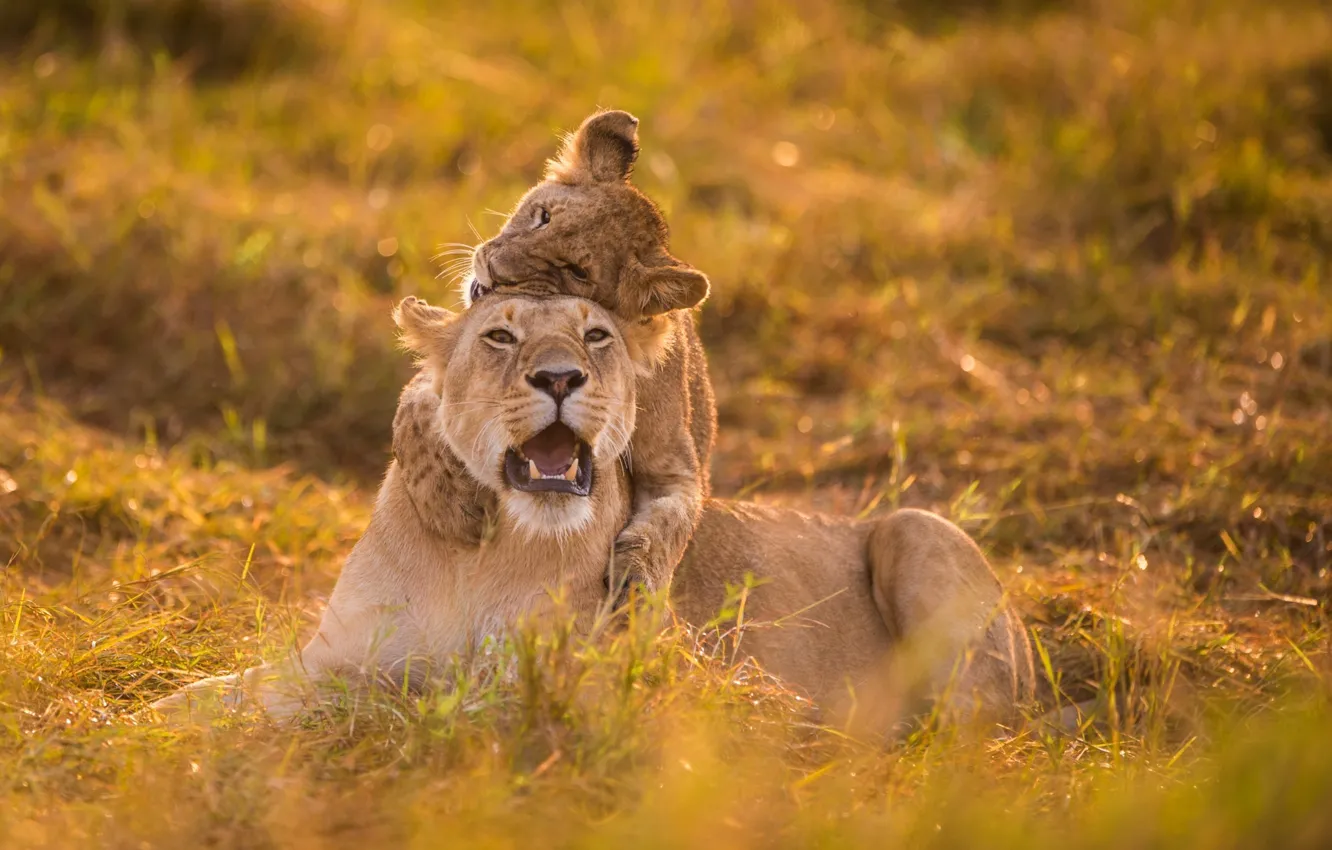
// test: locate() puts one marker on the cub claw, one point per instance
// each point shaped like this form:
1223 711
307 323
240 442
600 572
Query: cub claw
630 568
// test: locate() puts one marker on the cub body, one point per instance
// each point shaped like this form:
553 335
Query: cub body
585 230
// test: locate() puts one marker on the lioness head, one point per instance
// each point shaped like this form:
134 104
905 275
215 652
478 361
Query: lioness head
585 230
536 398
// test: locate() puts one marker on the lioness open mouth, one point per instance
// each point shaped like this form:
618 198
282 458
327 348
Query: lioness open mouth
554 461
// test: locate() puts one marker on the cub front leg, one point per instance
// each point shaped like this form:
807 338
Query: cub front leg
669 480
649 549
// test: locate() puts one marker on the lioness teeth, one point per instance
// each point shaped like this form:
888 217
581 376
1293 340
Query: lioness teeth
535 474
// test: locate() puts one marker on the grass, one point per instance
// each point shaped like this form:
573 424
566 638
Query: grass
1056 270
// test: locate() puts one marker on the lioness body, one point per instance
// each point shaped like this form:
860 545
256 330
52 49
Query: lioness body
838 604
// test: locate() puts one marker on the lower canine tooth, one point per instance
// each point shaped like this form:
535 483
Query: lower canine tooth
532 471
571 474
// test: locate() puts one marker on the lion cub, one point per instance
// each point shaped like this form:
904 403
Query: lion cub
585 230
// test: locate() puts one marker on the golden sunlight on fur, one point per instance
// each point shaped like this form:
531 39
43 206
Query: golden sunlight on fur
532 402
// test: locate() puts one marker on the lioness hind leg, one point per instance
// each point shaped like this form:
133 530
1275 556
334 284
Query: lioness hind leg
955 635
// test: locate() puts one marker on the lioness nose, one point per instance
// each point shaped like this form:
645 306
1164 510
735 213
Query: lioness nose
558 385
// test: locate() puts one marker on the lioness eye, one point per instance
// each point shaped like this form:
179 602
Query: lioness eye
578 272
596 335
501 336
542 217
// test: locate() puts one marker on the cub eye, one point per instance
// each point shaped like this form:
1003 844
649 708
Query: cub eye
578 272
501 336
542 218
596 335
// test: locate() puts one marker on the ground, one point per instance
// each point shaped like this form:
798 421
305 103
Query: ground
1057 270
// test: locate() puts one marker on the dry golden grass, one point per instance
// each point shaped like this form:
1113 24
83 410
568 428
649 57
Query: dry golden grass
1056 270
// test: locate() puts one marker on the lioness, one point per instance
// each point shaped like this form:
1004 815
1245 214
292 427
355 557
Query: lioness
534 401
586 230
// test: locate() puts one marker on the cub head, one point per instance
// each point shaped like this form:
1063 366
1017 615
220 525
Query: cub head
536 398
585 230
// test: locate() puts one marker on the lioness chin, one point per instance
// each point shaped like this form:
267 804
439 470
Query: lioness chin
533 403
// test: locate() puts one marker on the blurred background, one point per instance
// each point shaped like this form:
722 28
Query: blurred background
1057 268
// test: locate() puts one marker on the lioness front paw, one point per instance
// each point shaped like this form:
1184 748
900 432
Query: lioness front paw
202 701
261 689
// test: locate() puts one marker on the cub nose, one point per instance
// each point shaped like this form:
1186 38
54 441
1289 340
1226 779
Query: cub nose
557 385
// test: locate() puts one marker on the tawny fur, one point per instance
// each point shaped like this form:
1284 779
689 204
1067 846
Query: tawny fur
856 614
585 230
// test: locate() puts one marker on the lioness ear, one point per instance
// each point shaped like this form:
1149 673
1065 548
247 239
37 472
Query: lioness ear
603 150
425 329
660 287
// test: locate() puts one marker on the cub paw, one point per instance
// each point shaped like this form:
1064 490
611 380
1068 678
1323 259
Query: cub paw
632 567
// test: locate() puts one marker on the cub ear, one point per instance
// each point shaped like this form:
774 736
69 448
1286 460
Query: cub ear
425 329
602 150
660 287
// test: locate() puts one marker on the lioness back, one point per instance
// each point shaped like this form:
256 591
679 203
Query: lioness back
813 580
